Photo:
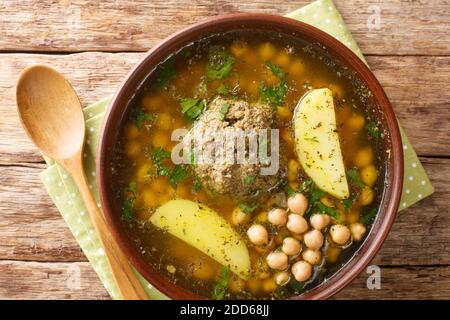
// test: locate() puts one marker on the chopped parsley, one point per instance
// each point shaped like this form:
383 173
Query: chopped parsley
127 208
224 110
197 185
158 156
141 117
276 70
220 289
348 203
373 130
273 95
178 175
248 207
355 179
368 217
165 72
305 185
323 209
220 63
315 194
248 180
223 90
192 108
313 139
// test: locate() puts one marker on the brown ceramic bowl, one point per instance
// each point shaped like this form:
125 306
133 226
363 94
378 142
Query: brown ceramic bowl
116 115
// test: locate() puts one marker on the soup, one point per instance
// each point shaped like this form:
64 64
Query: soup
225 230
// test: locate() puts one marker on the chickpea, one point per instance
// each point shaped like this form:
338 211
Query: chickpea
277 217
319 221
340 234
312 256
238 48
131 131
284 113
296 223
132 148
164 121
366 197
283 59
291 246
258 235
269 285
239 217
364 157
277 260
333 254
369 175
297 67
236 285
356 122
281 278
267 51
301 270
298 203
160 139
313 239
149 197
293 167
203 271
358 230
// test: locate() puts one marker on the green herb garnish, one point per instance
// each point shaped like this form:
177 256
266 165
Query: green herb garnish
305 185
373 130
158 156
323 209
220 63
178 175
368 217
348 203
223 90
248 180
224 110
315 194
127 208
141 117
192 108
248 207
276 70
165 72
313 139
221 286
273 95
353 176
197 184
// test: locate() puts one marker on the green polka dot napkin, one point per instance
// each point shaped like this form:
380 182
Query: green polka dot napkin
322 14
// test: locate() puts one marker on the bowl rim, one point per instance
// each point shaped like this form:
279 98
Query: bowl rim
388 205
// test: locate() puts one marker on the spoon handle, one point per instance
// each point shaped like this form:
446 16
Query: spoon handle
126 280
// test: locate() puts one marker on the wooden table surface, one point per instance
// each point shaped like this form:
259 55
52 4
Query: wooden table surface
95 43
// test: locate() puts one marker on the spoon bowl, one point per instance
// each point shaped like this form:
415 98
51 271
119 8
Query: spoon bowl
50 112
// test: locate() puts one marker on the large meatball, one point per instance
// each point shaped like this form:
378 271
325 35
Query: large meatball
224 177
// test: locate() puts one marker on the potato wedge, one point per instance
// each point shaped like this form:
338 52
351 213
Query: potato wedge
317 142
204 229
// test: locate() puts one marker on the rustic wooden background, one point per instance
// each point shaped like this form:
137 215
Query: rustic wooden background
95 43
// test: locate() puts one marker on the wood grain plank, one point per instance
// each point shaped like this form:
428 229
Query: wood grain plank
37 280
407 27
32 229
402 283
414 85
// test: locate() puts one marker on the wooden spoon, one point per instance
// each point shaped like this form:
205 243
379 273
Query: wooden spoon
52 116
